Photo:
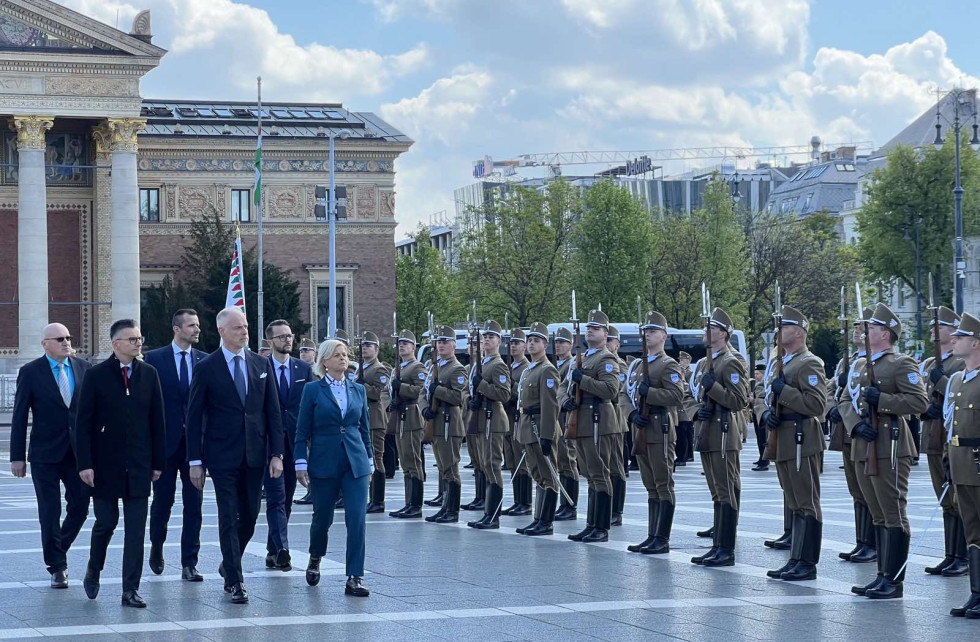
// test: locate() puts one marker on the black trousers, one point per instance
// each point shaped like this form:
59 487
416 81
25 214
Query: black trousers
57 536
279 495
761 437
164 493
684 450
237 492
134 533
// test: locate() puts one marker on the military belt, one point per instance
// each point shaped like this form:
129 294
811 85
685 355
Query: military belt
972 442
792 416
531 412
589 400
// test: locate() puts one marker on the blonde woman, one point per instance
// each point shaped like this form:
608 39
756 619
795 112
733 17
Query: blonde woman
333 417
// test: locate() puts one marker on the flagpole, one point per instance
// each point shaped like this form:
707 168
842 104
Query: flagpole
258 206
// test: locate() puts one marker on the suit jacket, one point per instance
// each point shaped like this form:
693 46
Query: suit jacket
300 373
37 392
120 436
174 402
332 437
222 432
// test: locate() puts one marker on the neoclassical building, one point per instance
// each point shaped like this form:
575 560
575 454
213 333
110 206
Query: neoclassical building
99 186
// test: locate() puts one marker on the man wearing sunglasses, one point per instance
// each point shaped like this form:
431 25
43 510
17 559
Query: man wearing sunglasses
48 388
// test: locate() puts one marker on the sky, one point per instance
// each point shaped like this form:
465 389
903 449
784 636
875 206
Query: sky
466 78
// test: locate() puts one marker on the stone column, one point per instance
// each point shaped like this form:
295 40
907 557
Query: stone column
118 135
32 234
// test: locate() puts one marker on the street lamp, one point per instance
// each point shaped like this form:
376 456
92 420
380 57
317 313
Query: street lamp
958 95
332 218
736 196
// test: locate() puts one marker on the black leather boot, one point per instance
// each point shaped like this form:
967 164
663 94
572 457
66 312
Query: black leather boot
661 540
653 510
699 559
806 567
796 548
547 515
414 508
960 565
522 497
728 525
785 541
603 516
568 511
710 532
377 503
589 519
437 500
408 498
896 553
450 505
491 517
972 607
618 501
881 545
869 540
538 501
857 534
949 526
479 484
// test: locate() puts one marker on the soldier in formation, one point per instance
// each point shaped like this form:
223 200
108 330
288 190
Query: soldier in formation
567 454
405 386
374 375
513 451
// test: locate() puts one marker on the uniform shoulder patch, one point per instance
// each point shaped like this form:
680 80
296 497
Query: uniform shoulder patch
914 378
460 379
813 380
550 383
503 378
622 376
609 367
422 376
675 378
384 379
735 378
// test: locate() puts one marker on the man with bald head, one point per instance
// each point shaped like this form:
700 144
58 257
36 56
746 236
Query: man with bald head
47 388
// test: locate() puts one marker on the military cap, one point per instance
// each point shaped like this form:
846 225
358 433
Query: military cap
539 330
445 333
866 315
564 334
264 344
884 316
655 321
597 318
969 326
517 335
407 335
370 337
946 317
684 355
342 336
792 316
614 333
306 344
760 366
720 319
492 327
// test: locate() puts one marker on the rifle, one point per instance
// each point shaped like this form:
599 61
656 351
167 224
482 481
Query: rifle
837 434
709 363
772 444
473 420
936 434
571 423
640 442
871 456
360 349
395 416
429 433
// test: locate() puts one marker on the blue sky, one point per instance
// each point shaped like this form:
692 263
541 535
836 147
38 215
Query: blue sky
502 78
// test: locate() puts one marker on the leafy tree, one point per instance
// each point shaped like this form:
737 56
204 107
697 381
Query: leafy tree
423 284
158 308
613 244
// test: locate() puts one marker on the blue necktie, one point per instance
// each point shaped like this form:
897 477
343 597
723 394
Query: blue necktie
183 377
239 379
283 386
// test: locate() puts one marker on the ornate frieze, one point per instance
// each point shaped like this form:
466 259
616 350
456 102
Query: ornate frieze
271 166
367 202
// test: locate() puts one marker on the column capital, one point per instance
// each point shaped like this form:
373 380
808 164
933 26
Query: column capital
30 130
117 134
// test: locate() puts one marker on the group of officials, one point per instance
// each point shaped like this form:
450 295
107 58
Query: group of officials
547 423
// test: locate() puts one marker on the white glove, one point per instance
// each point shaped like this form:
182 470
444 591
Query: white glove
371 464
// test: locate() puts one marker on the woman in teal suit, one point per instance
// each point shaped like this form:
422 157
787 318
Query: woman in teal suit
333 418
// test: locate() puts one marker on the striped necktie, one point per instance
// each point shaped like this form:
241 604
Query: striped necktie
63 385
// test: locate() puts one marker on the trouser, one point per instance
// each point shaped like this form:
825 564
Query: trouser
134 534
915 429
617 463
410 453
725 476
378 444
887 492
761 438
685 441
851 475
709 477
567 458
594 460
476 446
801 489
938 475
164 494
391 455
657 470
447 457
325 493
237 494
512 455
968 499
538 465
494 458
57 536
277 512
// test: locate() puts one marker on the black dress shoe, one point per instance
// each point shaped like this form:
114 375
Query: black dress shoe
156 559
355 586
313 571
221 571
270 560
59 579
283 561
238 594
305 499
133 599
190 574
91 583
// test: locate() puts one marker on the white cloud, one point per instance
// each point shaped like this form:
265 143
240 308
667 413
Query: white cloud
391 10
444 110
110 12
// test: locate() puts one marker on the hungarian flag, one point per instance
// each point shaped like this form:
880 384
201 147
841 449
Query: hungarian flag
236 279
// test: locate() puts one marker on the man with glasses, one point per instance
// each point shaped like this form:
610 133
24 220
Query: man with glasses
176 364
121 438
47 388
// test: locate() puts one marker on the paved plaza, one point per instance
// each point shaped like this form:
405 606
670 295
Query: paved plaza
449 582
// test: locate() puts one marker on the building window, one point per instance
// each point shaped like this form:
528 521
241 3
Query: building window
323 311
150 205
240 205
901 296
806 203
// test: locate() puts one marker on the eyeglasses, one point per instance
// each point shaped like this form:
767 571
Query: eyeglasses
283 337
133 341
59 339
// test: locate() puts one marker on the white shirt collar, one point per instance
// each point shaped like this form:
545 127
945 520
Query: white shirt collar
178 349
334 382
229 355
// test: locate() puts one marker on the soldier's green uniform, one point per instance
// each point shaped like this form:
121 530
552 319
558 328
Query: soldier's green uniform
405 385
598 421
934 446
538 432
374 377
475 447
513 450
567 455
447 390
795 405
723 393
961 410
897 391
656 395
617 461
490 392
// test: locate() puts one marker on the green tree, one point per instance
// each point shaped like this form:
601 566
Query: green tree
515 265
156 312
916 189
423 284
614 244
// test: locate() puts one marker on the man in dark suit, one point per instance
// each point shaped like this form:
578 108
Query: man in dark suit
291 376
120 435
48 388
176 363
234 429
